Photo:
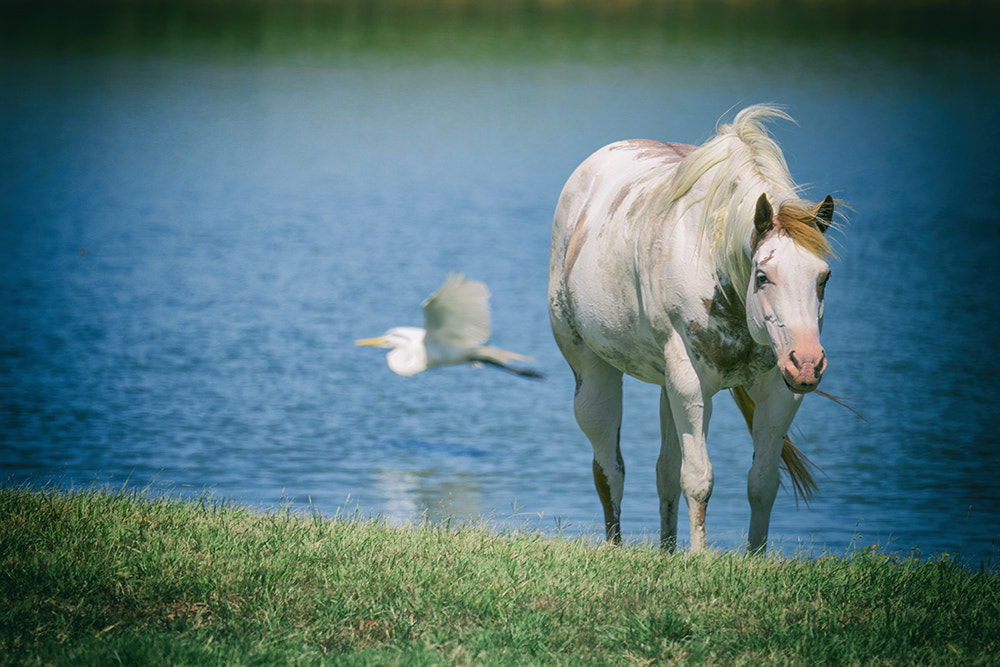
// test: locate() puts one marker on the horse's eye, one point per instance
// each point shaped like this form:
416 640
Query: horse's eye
760 280
821 285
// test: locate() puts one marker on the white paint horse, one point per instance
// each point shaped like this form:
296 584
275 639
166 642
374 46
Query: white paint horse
697 269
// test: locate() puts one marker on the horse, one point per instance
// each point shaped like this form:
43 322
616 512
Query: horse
699 269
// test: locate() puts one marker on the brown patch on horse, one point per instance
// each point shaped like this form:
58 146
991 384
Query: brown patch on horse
723 341
697 517
612 511
620 199
669 153
647 149
576 241
766 260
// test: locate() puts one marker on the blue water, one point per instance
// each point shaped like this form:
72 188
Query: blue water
191 242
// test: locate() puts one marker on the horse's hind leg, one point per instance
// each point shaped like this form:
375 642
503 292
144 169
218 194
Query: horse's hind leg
668 475
597 405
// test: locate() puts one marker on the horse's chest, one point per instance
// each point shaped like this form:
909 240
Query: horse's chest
723 344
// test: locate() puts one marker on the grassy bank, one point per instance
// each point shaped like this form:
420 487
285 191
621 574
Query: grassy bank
118 577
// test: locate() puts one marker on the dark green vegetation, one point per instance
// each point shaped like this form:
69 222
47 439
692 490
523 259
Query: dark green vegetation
118 577
423 27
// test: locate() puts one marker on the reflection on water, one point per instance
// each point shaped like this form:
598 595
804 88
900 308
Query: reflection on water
198 217
400 489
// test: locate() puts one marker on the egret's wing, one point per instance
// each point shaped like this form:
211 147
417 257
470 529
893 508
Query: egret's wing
458 313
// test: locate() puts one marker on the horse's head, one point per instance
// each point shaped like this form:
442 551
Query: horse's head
785 294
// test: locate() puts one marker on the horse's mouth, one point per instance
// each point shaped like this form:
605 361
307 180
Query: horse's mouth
800 387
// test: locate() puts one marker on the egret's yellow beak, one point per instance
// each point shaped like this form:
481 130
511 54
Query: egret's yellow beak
372 342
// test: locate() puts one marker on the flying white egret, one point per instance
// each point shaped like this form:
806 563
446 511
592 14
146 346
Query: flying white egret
456 327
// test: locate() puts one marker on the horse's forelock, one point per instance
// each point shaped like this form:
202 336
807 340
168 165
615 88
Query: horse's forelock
801 225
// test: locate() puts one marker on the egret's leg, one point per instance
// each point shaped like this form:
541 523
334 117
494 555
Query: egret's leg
597 405
668 475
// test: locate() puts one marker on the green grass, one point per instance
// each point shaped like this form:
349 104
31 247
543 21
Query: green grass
106 577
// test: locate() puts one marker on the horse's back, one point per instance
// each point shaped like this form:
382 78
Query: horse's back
602 182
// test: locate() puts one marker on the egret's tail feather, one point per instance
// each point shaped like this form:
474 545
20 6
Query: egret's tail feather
516 370
498 358
514 356
796 464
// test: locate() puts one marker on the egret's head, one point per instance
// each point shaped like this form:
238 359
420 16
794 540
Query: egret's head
390 339
407 355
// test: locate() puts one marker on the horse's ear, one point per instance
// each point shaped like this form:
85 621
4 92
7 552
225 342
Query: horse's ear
763 219
824 215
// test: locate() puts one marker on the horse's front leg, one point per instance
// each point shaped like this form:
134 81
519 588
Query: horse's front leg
775 408
690 410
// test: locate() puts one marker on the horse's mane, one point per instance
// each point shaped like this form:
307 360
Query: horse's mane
740 163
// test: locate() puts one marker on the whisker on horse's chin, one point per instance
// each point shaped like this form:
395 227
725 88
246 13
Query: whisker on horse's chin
842 402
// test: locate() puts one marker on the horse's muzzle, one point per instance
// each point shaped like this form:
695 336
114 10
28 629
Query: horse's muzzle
804 369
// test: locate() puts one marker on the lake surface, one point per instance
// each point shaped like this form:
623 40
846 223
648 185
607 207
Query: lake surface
196 226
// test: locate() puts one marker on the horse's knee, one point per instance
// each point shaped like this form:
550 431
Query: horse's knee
762 497
697 484
762 487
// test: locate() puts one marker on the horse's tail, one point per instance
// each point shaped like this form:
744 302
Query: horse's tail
793 461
